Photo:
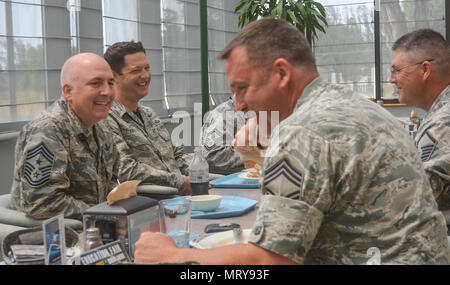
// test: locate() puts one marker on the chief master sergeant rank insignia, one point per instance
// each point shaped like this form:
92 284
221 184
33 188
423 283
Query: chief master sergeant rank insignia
38 165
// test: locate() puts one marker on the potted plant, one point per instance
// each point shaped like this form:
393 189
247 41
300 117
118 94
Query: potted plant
307 15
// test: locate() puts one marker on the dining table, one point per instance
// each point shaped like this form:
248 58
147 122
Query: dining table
245 220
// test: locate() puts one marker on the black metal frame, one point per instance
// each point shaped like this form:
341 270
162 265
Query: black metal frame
447 20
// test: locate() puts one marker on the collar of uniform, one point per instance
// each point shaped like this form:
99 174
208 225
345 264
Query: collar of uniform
77 125
441 100
118 109
121 110
308 91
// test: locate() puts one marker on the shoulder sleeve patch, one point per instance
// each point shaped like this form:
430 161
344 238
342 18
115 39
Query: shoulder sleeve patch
284 179
212 139
38 165
426 146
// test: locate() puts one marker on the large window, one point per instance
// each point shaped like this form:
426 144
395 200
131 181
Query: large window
181 50
400 17
170 32
37 36
138 20
346 52
22 68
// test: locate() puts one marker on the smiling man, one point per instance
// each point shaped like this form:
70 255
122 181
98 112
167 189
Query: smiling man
144 143
65 161
334 182
421 73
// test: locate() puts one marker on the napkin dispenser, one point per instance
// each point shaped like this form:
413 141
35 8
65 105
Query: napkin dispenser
125 220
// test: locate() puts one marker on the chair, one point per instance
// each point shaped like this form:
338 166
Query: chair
159 192
12 220
10 216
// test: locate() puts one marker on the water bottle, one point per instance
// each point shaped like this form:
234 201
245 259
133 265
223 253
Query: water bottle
199 174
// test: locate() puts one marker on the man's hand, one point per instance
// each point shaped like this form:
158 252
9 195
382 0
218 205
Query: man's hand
160 248
153 247
246 142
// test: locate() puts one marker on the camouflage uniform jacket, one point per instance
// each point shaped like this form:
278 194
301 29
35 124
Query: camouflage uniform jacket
62 166
216 137
345 177
146 148
433 142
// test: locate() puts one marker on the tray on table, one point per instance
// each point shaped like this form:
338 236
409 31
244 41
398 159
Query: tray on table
230 206
235 181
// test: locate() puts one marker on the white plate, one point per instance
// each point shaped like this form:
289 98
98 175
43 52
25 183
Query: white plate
219 239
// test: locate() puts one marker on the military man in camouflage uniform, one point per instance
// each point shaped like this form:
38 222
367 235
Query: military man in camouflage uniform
421 72
340 175
65 160
218 131
144 143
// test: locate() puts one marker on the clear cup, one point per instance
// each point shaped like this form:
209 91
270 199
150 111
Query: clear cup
176 220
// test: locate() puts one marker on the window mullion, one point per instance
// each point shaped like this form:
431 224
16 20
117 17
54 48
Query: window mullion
10 59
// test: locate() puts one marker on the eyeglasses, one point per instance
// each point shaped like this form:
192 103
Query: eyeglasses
395 71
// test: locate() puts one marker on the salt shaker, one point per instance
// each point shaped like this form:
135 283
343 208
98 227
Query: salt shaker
92 239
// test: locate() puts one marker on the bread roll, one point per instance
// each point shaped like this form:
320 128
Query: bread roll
123 191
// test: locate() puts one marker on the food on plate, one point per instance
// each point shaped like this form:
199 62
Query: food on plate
252 172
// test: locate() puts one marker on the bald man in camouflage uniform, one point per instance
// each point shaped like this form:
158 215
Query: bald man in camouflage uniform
340 175
66 161
421 71
144 143
218 131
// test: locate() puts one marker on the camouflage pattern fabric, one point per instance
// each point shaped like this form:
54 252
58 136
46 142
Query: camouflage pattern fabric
146 149
61 166
433 142
216 138
346 177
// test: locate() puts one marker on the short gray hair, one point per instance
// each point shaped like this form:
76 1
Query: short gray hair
428 44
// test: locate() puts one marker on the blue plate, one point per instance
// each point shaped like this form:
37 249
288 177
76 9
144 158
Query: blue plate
234 181
230 206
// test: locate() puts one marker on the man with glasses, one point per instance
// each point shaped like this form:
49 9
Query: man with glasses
421 73
144 143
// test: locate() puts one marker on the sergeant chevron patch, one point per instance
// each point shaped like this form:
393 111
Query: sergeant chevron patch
38 165
284 179
212 139
426 146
